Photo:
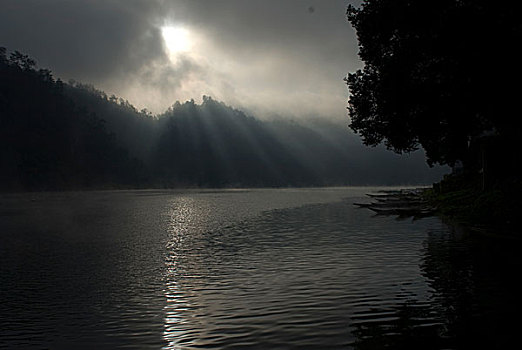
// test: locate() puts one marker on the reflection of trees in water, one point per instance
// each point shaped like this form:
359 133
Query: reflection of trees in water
412 326
474 302
475 287
449 270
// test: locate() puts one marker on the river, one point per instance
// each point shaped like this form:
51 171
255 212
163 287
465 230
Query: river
246 269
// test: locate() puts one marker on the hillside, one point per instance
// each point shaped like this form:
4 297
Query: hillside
59 136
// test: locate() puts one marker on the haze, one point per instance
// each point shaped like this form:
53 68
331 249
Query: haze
267 57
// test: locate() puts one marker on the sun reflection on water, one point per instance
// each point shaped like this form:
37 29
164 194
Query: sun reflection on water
181 218
188 220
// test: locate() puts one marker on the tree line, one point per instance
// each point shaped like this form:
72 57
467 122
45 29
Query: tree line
56 135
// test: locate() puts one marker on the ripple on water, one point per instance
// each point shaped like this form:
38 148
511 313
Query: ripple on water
224 270
297 278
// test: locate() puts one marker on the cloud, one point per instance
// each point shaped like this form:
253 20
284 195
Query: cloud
272 57
87 40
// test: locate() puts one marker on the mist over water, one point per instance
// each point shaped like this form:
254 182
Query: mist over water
266 269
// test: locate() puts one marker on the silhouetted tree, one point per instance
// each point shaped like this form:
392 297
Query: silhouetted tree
437 74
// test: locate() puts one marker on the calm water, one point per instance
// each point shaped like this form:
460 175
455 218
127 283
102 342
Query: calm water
260 269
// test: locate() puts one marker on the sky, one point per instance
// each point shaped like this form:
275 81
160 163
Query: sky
282 58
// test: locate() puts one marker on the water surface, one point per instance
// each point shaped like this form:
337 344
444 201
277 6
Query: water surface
236 269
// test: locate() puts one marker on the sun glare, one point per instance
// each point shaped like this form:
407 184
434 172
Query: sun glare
176 39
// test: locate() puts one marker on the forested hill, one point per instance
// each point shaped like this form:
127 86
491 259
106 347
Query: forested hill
48 142
57 136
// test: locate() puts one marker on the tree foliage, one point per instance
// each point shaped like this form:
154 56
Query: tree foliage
437 74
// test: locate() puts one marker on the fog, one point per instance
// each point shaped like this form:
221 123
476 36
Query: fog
271 57
280 65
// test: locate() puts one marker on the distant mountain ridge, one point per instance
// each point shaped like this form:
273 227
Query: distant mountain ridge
58 136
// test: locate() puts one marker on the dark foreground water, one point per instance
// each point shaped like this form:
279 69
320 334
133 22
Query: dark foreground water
260 269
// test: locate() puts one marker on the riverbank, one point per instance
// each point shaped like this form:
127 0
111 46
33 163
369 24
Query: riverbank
463 200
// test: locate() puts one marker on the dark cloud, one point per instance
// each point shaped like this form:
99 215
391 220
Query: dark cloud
272 53
90 40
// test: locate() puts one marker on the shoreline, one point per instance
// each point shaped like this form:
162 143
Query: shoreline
488 213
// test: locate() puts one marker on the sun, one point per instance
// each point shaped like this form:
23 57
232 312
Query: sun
176 39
